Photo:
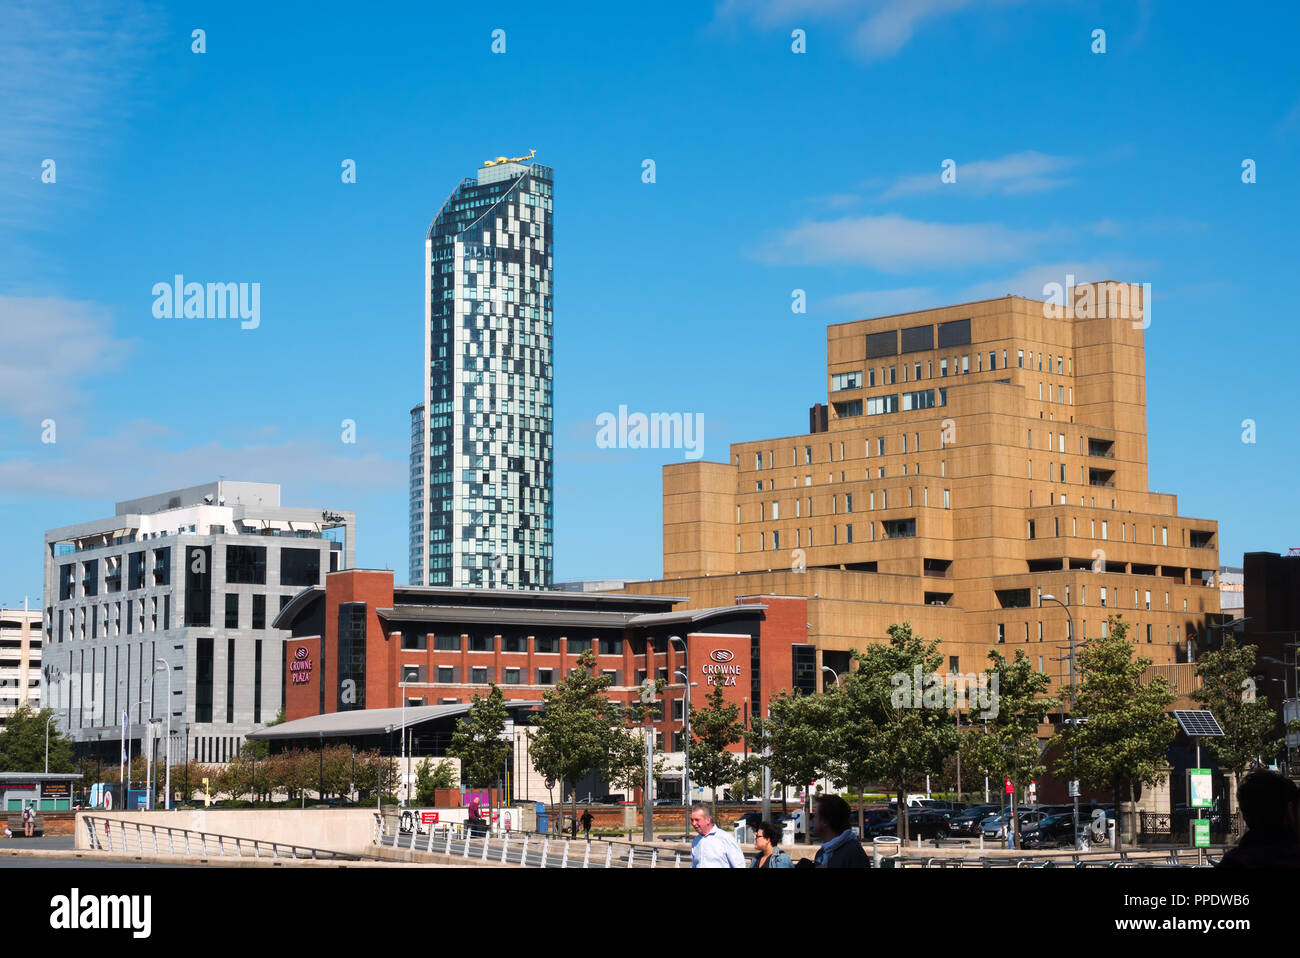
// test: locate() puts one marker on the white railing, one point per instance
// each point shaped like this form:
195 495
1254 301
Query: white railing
524 848
123 837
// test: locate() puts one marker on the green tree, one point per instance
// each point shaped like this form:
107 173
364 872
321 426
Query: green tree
429 778
713 728
574 728
1006 744
880 732
798 733
625 764
22 743
1120 732
1228 691
478 740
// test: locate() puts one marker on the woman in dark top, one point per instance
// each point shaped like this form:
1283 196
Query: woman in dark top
766 837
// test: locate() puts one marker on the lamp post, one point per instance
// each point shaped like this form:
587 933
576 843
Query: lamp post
164 667
686 760
47 742
1075 747
827 668
405 770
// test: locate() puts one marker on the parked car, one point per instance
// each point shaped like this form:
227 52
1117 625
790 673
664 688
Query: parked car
995 827
611 799
943 806
921 822
968 822
1051 831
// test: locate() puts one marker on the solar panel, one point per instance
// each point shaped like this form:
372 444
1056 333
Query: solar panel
1198 722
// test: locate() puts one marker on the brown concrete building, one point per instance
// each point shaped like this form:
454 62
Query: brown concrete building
968 461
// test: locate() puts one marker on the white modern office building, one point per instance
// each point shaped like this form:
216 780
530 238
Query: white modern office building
162 611
20 660
481 509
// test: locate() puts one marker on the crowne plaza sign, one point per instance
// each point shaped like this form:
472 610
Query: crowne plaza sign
300 666
721 669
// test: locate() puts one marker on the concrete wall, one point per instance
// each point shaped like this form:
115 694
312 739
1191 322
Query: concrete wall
335 829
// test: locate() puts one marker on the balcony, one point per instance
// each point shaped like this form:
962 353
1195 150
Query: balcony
1103 448
1101 477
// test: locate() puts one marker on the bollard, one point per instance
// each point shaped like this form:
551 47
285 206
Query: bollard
546 847
564 862
523 856
609 854
677 859
654 858
487 841
586 855
630 851
414 833
465 853
505 844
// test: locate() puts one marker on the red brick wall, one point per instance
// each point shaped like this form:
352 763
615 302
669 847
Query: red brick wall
785 625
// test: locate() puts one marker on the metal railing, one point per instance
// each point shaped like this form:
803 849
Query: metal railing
141 838
526 849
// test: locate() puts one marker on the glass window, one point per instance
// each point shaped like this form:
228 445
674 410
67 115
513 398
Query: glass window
478 676
259 612
232 611
246 565
299 567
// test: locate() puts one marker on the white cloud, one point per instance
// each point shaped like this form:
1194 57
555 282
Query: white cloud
879 28
1028 172
1030 282
50 346
66 70
869 303
118 466
895 243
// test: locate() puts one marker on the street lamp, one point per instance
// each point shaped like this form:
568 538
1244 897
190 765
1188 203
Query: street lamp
163 666
686 769
686 760
827 668
47 741
1075 747
406 771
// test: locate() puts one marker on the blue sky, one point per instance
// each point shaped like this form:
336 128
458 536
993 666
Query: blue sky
775 171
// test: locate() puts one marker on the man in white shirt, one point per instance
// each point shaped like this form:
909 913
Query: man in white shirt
712 847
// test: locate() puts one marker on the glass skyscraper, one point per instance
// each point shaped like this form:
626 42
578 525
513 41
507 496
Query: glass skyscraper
481 448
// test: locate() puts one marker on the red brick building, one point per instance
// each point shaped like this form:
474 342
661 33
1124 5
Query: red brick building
356 638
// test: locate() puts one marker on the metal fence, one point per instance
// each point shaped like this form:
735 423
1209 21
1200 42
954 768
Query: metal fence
527 849
1164 828
141 838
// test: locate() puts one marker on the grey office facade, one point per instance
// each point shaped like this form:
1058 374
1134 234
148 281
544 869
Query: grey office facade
182 584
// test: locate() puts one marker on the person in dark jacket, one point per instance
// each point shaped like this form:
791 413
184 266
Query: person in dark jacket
840 847
586 823
1270 804
766 837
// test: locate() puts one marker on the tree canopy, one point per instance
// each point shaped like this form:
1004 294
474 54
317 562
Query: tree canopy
478 740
